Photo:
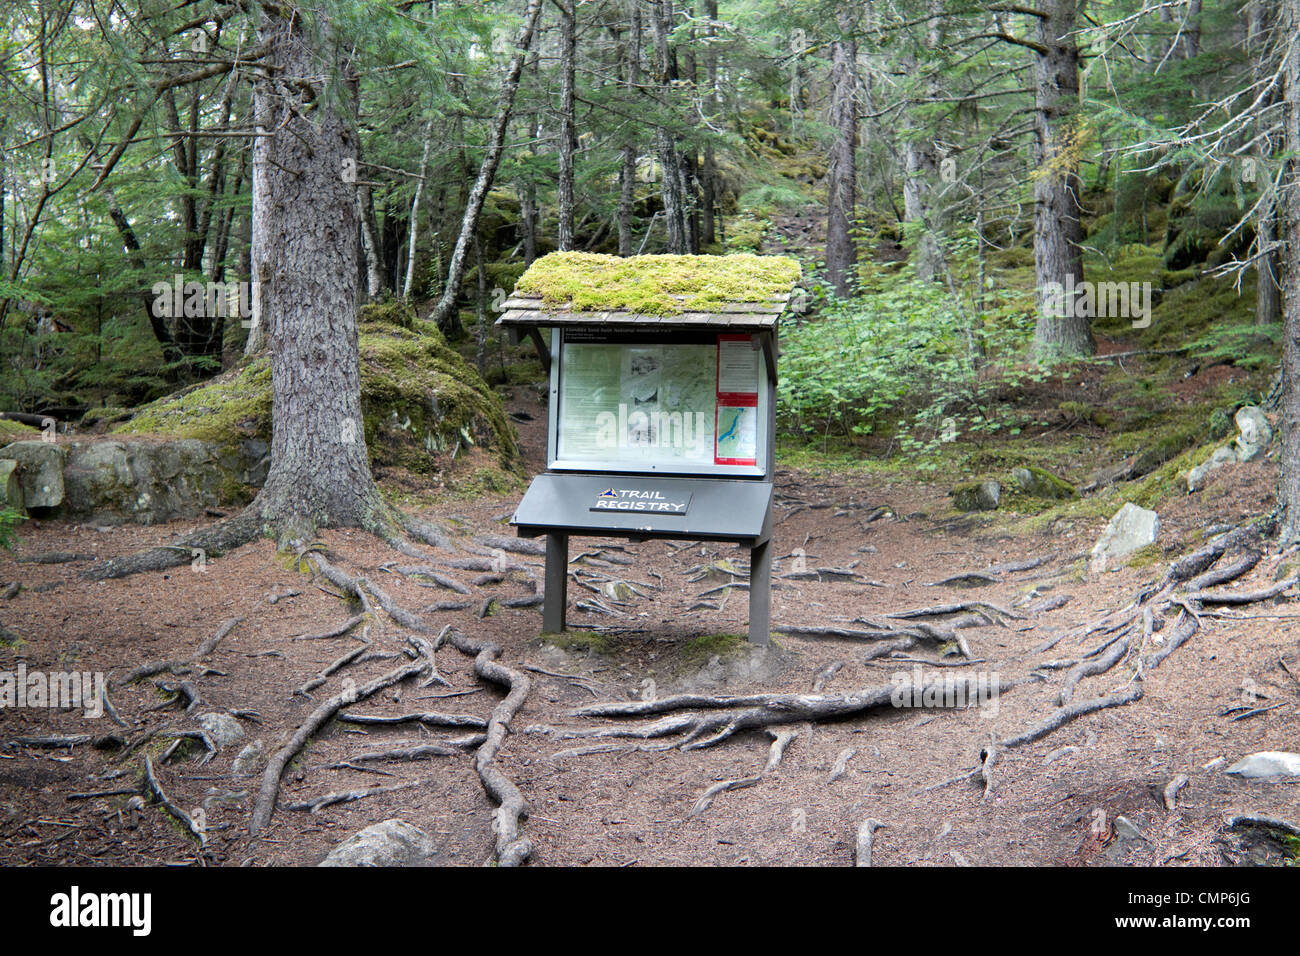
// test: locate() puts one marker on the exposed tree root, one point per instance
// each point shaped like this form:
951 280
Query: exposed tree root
339 631
841 766
210 645
317 804
211 542
724 717
512 848
318 718
306 689
780 740
1171 791
865 841
450 748
1090 668
1063 715
154 791
429 719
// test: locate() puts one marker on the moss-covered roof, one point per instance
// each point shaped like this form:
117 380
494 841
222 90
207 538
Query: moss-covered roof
657 285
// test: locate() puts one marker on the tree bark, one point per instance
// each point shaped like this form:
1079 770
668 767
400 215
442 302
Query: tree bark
446 307
627 169
920 170
306 259
841 256
568 136
709 174
415 212
1289 485
1058 229
671 186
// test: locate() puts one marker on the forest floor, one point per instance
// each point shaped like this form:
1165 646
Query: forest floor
1053 801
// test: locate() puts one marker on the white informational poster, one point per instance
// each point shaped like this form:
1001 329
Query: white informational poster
737 401
630 404
635 405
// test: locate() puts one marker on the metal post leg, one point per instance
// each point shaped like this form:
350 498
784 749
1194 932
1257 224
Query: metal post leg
760 593
555 596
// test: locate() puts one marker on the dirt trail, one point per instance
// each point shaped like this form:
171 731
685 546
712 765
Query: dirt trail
1053 801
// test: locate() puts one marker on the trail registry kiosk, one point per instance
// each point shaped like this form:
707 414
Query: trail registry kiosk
660 425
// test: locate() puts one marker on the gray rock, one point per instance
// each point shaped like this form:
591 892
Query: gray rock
222 728
977 496
249 759
1126 829
1267 764
1041 483
40 471
1254 433
11 489
1131 528
391 843
1197 476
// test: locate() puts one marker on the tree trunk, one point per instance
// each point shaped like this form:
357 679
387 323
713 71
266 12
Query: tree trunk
568 137
415 213
1289 486
841 256
709 174
1058 229
672 188
306 258
921 169
627 169
446 307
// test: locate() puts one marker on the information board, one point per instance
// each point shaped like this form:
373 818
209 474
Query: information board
694 403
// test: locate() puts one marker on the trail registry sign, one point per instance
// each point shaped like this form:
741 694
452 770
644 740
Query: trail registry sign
658 427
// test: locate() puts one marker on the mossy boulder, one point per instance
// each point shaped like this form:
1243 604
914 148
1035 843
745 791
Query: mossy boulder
422 403
659 284
1041 483
977 496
